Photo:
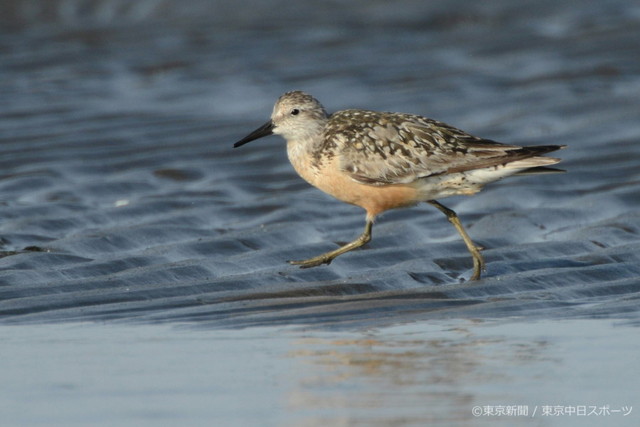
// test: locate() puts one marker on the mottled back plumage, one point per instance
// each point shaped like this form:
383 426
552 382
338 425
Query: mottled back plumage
391 148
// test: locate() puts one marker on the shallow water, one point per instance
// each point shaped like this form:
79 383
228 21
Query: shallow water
122 200
454 372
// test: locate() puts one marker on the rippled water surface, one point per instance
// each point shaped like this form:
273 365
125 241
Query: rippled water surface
123 201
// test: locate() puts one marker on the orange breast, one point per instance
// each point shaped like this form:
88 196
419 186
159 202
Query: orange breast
374 199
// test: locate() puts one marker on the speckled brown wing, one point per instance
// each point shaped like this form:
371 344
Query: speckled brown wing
390 148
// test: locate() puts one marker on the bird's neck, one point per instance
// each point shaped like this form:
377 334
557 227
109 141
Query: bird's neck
301 153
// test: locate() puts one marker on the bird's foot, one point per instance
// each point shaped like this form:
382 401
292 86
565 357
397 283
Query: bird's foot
312 262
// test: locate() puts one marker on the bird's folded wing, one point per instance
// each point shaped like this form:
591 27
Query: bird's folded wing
384 148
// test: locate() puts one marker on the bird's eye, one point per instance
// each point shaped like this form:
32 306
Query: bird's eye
295 112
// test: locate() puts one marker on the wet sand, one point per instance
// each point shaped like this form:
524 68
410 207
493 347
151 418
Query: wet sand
454 372
124 210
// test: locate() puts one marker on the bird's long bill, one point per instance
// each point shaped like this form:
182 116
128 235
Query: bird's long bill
264 130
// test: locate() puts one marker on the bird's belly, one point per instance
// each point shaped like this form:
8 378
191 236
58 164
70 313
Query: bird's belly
374 199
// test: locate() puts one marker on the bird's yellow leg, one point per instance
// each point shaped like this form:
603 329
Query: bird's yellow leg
478 261
326 258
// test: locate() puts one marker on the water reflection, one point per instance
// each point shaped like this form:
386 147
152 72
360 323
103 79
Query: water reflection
409 378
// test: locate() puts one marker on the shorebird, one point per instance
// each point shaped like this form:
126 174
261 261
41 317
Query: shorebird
381 161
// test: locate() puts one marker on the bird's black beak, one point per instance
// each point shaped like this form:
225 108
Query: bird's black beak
264 130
